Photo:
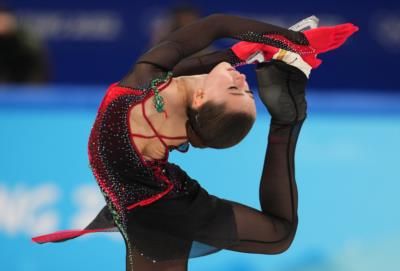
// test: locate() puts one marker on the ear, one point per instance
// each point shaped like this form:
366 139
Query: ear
198 98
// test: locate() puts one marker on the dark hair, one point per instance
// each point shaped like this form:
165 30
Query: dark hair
211 126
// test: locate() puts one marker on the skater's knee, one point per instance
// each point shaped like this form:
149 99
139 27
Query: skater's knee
291 235
286 242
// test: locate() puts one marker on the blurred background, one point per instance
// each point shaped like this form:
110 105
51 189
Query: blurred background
57 59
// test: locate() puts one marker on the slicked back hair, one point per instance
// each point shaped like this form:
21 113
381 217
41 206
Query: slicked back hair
216 128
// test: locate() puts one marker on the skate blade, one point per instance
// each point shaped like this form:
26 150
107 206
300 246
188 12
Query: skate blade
307 23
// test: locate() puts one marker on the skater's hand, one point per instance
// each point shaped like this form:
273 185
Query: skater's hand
244 49
324 39
321 39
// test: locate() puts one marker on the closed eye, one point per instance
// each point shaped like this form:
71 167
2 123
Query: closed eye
240 93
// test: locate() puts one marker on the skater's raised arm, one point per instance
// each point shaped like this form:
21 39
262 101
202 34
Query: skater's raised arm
204 63
197 36
321 40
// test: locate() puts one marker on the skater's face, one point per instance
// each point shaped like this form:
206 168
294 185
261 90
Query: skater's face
225 85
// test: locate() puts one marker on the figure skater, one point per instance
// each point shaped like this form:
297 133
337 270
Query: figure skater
170 100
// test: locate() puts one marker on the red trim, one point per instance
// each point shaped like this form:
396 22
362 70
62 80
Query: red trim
65 234
114 91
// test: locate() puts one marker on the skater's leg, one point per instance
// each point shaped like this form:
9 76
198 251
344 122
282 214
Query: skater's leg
272 229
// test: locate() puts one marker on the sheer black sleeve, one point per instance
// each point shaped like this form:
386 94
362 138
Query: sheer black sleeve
204 63
194 37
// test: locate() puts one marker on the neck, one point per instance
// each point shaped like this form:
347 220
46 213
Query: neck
178 96
184 87
188 85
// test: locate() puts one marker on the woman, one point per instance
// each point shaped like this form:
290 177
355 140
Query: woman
166 217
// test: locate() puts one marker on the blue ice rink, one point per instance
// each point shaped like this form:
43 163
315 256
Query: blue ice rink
347 171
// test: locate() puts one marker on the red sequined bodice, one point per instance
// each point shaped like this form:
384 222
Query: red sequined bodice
125 178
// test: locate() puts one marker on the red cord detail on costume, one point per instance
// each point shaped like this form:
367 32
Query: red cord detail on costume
156 168
152 127
163 136
143 136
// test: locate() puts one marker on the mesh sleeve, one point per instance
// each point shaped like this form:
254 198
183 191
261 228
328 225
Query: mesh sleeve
194 37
